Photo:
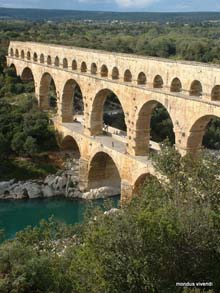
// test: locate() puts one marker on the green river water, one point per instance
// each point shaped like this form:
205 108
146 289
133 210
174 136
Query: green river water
16 215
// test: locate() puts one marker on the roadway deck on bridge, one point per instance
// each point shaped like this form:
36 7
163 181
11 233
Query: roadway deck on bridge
108 141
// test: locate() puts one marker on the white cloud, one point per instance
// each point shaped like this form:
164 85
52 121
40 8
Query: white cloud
135 3
123 3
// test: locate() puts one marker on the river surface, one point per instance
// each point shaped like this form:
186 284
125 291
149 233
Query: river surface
15 215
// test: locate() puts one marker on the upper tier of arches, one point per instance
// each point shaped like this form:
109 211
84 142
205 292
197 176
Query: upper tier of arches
175 86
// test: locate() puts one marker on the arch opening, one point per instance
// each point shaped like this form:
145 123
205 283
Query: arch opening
107 116
83 67
205 132
11 52
28 55
65 63
176 85
153 125
28 79
142 79
42 58
22 54
196 89
35 57
16 53
127 76
70 146
104 71
93 68
74 65
49 60
216 93
13 70
103 172
57 62
115 73
141 181
47 96
158 82
72 102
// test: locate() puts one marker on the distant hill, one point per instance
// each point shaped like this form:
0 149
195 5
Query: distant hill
59 15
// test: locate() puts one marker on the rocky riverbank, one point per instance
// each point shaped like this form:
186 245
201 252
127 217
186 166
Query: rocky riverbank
63 184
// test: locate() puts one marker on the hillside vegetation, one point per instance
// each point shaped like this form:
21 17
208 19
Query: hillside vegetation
169 233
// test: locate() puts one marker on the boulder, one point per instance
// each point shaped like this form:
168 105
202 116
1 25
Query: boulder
102 192
6 186
33 189
47 191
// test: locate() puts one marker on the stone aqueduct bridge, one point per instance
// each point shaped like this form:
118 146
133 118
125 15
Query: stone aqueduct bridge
189 91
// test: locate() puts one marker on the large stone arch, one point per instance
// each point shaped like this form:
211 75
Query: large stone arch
139 183
44 90
69 144
27 75
197 131
143 126
15 68
96 111
68 99
103 171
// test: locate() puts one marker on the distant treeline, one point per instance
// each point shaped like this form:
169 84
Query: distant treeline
199 42
58 15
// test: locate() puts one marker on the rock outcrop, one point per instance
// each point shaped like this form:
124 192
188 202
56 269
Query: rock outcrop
64 183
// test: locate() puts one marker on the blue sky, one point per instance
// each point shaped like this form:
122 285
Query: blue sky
118 5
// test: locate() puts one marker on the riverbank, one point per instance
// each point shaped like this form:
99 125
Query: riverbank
64 183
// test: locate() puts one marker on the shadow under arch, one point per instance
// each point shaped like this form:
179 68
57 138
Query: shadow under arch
22 54
47 84
115 73
72 101
141 181
27 75
158 82
104 98
127 76
215 94
149 120
176 85
196 89
197 133
13 67
142 79
104 172
104 71
69 144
